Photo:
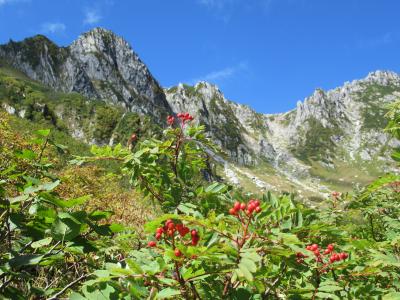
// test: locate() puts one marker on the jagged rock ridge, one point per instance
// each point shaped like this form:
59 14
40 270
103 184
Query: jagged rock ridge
98 65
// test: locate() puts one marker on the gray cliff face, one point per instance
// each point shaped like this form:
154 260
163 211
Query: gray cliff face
98 65
231 125
344 124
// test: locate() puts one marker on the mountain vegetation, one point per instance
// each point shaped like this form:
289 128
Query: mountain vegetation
112 187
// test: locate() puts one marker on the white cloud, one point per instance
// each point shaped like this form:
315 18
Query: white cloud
52 27
92 16
220 75
3 2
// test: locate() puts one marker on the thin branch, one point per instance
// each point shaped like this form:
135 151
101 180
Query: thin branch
55 296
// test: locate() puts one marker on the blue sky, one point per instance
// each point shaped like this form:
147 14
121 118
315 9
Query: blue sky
265 53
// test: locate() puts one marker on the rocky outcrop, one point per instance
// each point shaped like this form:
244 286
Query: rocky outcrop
98 65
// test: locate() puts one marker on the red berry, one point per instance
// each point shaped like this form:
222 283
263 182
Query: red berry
232 211
158 236
195 241
314 247
330 247
178 253
257 202
243 206
159 230
327 251
236 206
170 232
171 226
316 252
151 244
258 209
308 247
343 255
194 232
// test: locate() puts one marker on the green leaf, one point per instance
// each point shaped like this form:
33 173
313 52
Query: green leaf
168 293
392 296
66 227
330 288
100 215
250 265
41 243
245 271
25 260
43 132
216 188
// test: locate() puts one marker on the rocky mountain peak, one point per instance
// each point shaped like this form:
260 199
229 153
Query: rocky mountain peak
99 64
383 77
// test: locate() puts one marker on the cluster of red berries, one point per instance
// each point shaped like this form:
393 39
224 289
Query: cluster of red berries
170 120
169 230
185 117
252 206
319 256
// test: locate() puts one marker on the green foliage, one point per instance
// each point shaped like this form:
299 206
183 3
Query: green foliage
250 255
210 242
68 112
318 143
44 235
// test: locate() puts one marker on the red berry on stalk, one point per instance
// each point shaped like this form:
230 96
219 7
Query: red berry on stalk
236 206
327 251
251 206
160 230
170 232
151 244
330 247
308 247
195 241
258 209
314 247
243 206
257 202
233 212
158 236
194 232
343 255
316 253
171 225
178 253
